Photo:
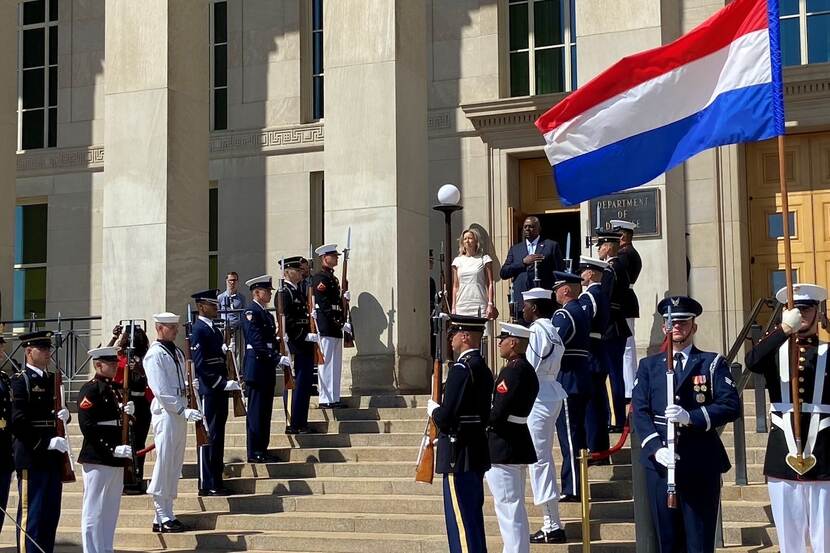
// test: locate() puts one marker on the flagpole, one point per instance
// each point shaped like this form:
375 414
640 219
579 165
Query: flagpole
797 462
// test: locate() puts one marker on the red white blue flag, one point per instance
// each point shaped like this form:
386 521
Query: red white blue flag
719 84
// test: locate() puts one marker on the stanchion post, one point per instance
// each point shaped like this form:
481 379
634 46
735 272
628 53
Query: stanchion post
584 490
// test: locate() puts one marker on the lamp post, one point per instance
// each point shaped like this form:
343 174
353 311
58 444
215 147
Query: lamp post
448 203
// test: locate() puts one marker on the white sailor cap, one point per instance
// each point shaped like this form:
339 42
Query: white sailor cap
537 294
103 353
166 318
803 294
592 263
619 224
264 281
514 330
327 249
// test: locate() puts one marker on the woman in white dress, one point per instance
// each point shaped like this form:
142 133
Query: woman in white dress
473 290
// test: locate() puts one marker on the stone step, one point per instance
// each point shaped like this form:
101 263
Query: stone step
750 533
752 492
321 542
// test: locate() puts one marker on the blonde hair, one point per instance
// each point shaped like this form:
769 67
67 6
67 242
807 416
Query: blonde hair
479 247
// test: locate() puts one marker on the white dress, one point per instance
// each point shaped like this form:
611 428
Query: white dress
472 285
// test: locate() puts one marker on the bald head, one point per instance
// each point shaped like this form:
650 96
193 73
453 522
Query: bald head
531 228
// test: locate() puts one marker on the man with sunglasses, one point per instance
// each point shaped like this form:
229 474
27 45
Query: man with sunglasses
704 398
463 455
800 500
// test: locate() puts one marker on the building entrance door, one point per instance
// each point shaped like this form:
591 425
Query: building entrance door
538 197
807 159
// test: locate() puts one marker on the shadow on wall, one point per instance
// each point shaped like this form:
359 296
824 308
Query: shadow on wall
376 327
657 335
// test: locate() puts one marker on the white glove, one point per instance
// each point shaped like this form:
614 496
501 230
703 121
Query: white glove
225 348
432 406
196 385
123 452
59 444
314 314
347 295
129 408
63 415
675 413
791 320
285 362
663 456
347 328
232 386
311 337
192 415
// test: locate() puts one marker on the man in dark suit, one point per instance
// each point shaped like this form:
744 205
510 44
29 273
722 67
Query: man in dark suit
530 263
704 398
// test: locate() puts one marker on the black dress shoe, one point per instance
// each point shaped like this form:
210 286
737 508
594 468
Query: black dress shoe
554 536
170 527
219 492
324 406
257 459
306 430
615 429
569 499
290 430
337 405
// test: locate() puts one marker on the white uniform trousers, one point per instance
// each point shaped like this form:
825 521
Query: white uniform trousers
542 425
170 439
630 360
800 511
507 484
329 374
102 501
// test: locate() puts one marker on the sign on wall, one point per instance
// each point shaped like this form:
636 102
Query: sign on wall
639 206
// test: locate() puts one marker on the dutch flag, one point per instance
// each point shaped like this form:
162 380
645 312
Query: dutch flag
719 84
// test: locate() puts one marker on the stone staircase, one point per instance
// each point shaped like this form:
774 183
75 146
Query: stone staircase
350 489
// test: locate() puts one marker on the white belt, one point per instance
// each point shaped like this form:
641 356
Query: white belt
249 346
108 423
631 286
596 335
517 420
805 408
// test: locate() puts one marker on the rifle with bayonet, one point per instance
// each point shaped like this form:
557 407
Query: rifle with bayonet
131 470
288 378
348 337
671 428
233 373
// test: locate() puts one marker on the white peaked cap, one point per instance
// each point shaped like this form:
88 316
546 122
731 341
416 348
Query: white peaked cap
326 249
517 331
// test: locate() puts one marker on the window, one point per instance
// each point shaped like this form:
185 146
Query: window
213 237
37 92
778 279
219 64
316 59
542 46
775 225
805 31
30 260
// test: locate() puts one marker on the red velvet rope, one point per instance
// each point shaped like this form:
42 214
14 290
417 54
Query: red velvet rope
598 455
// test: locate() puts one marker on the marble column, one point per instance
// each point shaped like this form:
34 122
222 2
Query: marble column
376 182
155 220
8 147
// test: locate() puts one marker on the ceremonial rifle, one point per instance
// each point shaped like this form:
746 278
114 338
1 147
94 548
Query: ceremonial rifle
68 466
671 485
287 377
130 472
233 373
348 338
312 322
192 398
425 463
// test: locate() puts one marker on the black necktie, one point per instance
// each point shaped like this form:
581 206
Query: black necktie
678 363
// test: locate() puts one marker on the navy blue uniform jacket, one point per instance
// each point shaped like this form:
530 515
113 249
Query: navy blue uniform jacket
208 358
698 444
260 346
573 323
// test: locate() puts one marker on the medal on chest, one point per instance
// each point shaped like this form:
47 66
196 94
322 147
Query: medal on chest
700 387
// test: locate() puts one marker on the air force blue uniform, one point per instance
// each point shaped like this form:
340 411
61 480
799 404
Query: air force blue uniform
206 350
705 389
261 357
573 323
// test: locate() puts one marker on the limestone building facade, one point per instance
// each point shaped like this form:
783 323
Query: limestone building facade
149 147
